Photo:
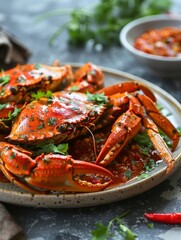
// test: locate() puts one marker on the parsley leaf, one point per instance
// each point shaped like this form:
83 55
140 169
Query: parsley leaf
126 232
102 22
4 79
13 114
102 232
41 94
97 98
37 66
51 147
165 138
179 131
144 142
3 105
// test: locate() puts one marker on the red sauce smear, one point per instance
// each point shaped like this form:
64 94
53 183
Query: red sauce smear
130 163
164 42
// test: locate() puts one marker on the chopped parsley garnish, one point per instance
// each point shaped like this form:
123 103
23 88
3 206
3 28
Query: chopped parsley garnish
4 79
37 66
97 98
143 176
74 88
150 225
51 121
144 142
165 138
13 114
159 107
128 173
3 105
179 131
150 165
103 232
41 94
52 148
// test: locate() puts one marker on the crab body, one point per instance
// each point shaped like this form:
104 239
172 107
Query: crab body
60 118
19 83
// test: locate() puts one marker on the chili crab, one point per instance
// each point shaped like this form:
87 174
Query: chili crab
129 107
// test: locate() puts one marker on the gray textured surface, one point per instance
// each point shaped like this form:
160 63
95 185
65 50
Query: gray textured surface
56 224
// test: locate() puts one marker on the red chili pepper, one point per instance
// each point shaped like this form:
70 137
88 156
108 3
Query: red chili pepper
171 218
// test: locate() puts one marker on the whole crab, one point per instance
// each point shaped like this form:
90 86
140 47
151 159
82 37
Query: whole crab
129 107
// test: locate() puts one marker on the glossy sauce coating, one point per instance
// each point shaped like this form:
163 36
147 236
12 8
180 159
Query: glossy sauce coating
164 42
130 163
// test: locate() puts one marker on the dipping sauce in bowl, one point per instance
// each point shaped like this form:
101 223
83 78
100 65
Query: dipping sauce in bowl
162 42
155 43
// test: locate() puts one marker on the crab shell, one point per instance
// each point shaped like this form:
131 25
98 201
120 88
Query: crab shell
60 118
24 79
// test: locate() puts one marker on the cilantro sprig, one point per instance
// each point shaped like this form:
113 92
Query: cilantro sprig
52 148
103 232
4 80
102 22
179 131
12 115
3 105
39 94
144 142
98 98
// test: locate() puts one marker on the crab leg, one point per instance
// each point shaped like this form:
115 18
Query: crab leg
127 87
159 143
124 129
162 122
89 78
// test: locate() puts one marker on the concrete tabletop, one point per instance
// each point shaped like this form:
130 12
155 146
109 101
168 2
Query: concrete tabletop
77 224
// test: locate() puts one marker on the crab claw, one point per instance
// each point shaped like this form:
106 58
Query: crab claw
62 173
51 172
124 129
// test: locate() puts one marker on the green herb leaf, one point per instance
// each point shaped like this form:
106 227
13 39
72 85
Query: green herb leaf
102 22
51 147
143 176
100 99
13 114
103 232
144 142
4 79
37 66
150 165
3 105
126 233
41 94
100 233
165 138
150 225
179 131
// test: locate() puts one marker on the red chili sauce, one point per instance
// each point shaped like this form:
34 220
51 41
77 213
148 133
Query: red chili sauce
162 42
130 163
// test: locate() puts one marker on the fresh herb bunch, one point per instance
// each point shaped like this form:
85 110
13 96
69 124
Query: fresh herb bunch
103 22
102 232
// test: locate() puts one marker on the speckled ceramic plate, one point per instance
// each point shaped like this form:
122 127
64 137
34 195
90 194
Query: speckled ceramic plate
12 194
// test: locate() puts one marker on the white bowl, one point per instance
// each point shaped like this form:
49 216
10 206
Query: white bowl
163 66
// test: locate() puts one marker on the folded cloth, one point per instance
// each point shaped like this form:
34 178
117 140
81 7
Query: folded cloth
12 51
9 230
